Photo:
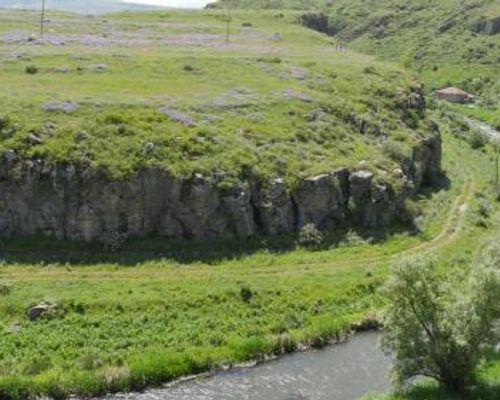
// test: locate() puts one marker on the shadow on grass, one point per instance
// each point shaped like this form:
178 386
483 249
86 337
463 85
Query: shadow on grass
41 249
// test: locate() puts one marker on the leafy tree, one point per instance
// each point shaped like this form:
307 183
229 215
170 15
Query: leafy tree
441 326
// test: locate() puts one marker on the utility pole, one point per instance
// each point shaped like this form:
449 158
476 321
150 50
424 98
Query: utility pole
42 19
228 20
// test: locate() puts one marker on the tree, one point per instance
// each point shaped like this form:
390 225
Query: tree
442 325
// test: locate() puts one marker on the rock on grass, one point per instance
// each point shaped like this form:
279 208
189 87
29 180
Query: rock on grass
177 116
65 107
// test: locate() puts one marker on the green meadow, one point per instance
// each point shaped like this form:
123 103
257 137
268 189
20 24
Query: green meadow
170 89
167 89
159 309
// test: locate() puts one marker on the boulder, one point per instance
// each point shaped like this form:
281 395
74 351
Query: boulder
37 311
487 26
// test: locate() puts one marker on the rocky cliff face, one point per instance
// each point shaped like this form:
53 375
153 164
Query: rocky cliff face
76 202
487 26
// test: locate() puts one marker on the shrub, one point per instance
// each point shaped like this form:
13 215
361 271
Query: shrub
371 70
113 240
353 239
477 139
31 69
310 236
483 208
270 60
4 122
393 150
5 289
441 326
246 294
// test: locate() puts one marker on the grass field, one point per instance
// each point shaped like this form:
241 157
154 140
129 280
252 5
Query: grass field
153 313
433 38
168 89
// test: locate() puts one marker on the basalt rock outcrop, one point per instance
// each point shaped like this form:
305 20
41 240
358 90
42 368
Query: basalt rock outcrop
487 26
78 202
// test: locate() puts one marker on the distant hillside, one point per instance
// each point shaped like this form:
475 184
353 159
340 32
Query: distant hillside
92 6
450 42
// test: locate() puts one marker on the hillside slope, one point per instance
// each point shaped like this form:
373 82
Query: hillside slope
182 124
448 42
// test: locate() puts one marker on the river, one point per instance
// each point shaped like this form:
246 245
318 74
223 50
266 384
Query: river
342 372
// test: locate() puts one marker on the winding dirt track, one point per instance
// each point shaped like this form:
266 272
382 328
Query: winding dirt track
449 233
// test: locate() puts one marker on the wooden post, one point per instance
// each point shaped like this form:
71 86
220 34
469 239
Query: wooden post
228 20
42 19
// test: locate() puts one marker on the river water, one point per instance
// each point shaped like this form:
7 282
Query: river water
342 372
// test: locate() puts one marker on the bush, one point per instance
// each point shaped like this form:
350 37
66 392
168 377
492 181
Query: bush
188 68
246 294
113 240
4 122
270 60
371 70
5 289
484 208
477 140
393 150
441 326
310 236
31 69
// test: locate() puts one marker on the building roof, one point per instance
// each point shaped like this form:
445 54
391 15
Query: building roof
454 90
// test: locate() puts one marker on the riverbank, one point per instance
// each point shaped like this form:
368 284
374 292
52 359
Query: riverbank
161 310
487 388
358 366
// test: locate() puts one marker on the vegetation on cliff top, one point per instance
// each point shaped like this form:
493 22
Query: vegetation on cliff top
123 91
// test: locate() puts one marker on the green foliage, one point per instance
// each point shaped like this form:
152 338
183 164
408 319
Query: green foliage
5 289
238 111
394 150
310 236
477 139
484 208
163 308
113 240
31 69
246 294
442 325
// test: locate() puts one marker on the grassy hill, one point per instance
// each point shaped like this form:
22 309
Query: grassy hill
166 89
440 39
